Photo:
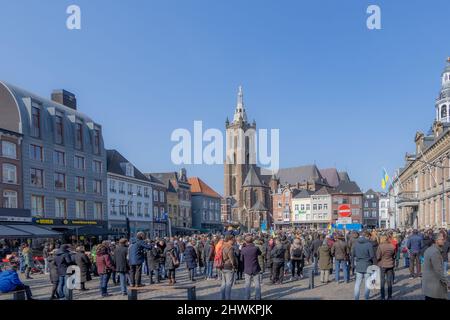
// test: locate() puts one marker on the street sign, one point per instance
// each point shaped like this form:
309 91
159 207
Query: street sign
344 221
344 211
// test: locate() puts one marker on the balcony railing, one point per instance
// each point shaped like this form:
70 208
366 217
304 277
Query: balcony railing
408 198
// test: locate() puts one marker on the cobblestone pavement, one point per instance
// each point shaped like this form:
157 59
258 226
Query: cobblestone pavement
404 289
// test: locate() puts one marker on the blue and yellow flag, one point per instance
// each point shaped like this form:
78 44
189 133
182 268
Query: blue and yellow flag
385 179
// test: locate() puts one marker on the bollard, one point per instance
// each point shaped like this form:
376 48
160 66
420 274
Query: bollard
311 279
191 294
132 294
69 294
19 295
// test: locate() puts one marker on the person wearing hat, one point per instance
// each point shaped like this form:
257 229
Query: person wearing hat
434 282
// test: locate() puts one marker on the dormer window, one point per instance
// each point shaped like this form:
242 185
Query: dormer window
444 111
129 170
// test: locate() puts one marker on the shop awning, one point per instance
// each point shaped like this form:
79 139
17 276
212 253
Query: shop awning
26 231
91 231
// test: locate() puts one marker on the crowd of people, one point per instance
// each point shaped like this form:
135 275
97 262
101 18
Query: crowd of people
230 258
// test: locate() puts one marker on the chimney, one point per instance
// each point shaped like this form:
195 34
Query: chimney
65 97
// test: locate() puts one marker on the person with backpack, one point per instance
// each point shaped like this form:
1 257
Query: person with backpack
227 265
191 258
297 258
171 262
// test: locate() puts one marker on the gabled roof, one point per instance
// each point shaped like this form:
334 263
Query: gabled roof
114 161
300 174
370 191
252 179
153 179
165 177
331 175
322 191
343 176
170 188
347 187
303 194
258 207
198 186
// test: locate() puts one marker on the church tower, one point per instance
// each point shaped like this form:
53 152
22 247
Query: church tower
443 101
240 154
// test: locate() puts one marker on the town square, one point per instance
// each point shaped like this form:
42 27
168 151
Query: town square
226 150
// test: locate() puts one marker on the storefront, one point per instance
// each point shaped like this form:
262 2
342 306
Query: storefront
76 230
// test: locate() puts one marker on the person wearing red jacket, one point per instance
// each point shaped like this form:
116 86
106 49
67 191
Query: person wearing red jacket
104 268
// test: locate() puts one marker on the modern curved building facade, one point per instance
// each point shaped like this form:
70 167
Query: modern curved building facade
62 158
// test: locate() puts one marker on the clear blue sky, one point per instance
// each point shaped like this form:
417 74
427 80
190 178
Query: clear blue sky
341 95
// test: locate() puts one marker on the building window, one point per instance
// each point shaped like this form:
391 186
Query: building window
296 207
112 204
122 207
80 184
355 212
444 111
37 206
79 162
122 187
96 141
146 195
366 204
155 212
9 150
37 178
59 129
98 211
80 209
139 209
10 199
79 136
374 214
9 172
155 195
161 196
59 158
146 210
161 211
97 166
36 153
320 207
130 189
98 186
308 207
355 200
130 208
374 204
112 186
139 191
129 170
314 206
325 206
60 208
35 122
60 181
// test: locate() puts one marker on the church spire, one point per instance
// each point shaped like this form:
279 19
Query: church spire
240 109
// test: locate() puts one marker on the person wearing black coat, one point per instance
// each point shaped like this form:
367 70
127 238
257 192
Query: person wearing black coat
84 263
53 271
63 260
153 262
190 256
121 263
